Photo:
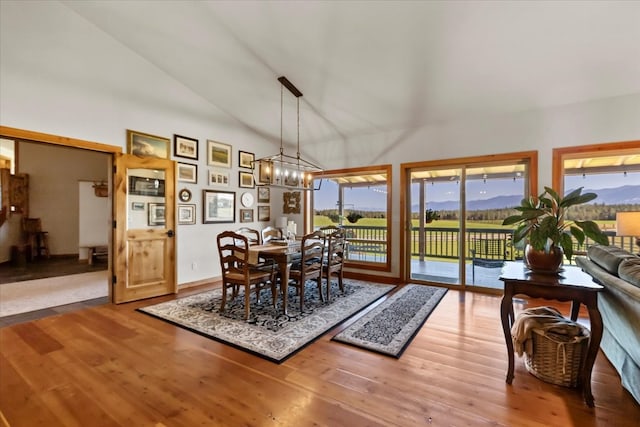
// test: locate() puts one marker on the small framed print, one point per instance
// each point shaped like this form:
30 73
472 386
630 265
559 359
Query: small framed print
246 215
156 214
186 214
146 145
265 172
291 180
219 178
184 195
245 179
137 206
246 159
188 173
218 206
143 186
264 194
264 213
185 147
218 154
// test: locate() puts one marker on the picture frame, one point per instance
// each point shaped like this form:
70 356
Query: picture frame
265 172
146 145
143 186
218 154
187 173
291 202
186 147
137 206
218 207
156 214
264 213
246 159
291 180
264 194
246 215
218 178
245 180
186 214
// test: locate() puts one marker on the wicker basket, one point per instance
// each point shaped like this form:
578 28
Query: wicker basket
556 358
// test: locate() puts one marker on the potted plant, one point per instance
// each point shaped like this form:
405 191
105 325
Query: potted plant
542 222
431 215
353 217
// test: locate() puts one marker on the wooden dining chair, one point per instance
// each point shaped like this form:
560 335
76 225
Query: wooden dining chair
252 235
269 233
333 264
310 265
237 272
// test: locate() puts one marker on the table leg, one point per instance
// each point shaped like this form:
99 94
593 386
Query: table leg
506 312
285 268
594 344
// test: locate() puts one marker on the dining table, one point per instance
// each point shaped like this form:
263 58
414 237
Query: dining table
283 253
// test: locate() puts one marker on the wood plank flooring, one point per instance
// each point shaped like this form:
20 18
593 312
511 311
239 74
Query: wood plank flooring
109 365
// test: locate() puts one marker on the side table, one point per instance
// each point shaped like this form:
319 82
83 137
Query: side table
572 284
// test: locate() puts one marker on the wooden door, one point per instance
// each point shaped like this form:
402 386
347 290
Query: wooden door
144 243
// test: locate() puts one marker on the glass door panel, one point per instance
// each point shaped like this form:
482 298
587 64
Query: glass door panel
434 243
490 194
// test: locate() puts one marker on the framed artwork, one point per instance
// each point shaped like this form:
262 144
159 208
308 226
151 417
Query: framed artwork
219 178
246 215
265 172
291 180
184 195
137 206
156 214
185 147
245 179
264 194
218 154
146 145
264 213
141 186
186 214
187 173
218 206
246 159
291 203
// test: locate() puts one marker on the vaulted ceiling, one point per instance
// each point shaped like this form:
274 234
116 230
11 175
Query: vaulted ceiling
381 66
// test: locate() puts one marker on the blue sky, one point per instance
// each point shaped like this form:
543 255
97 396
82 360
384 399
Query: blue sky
361 198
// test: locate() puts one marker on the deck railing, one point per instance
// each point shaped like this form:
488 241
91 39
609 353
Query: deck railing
483 245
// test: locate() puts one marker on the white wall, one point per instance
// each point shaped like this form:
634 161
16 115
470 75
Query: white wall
91 87
93 218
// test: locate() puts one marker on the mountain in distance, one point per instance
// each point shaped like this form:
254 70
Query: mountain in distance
624 195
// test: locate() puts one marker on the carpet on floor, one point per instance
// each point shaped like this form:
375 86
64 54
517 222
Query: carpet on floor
389 327
269 333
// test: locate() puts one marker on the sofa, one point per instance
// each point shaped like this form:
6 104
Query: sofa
619 272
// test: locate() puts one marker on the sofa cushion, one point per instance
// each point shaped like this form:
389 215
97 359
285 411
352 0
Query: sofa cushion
629 270
608 257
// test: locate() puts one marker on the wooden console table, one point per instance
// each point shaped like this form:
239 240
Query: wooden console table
572 284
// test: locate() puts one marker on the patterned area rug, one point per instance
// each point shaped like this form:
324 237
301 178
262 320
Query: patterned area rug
269 333
390 327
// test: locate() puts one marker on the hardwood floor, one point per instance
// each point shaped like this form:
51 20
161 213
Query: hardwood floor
109 365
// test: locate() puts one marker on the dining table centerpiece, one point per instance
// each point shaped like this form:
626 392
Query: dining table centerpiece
542 222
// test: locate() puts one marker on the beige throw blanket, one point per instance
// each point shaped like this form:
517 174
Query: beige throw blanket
547 319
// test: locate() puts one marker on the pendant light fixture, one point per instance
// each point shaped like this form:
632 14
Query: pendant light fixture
284 170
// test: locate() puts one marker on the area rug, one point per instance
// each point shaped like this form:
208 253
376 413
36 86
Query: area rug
390 327
269 333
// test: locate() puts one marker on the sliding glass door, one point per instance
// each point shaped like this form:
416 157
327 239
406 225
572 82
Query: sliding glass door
454 231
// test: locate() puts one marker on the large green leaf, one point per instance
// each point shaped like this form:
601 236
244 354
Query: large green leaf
577 233
592 231
567 245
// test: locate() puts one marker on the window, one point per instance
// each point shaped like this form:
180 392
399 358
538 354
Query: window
357 200
612 171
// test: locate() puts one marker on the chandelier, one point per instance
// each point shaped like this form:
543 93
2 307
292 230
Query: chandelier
284 170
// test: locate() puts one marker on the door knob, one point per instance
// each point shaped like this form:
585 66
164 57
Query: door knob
170 233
